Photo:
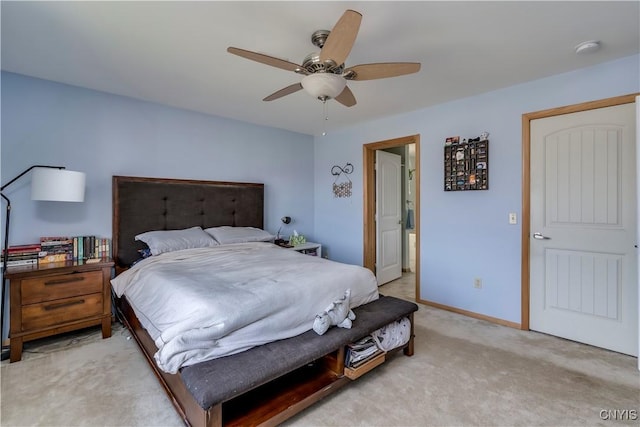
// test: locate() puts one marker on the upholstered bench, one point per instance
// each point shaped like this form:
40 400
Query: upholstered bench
215 384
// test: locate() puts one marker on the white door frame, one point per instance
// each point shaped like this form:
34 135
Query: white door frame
526 183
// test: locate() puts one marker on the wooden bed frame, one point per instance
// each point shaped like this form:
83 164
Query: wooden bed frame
144 204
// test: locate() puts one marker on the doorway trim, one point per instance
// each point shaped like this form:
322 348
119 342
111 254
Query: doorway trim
369 207
526 183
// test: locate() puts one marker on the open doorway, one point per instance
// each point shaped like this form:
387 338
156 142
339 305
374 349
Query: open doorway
410 204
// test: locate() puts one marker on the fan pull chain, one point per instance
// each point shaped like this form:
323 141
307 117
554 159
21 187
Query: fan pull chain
325 113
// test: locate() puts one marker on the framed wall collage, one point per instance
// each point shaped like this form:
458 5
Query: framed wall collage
466 163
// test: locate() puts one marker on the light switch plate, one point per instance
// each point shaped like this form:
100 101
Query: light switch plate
513 218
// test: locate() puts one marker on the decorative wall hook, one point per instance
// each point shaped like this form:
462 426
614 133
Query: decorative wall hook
342 184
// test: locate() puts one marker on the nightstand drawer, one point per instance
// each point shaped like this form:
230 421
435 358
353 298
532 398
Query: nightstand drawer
39 289
51 313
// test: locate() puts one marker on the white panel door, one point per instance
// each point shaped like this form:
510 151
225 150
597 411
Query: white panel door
638 210
388 217
583 280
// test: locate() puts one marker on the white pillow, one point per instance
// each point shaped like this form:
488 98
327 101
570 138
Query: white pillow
227 234
174 240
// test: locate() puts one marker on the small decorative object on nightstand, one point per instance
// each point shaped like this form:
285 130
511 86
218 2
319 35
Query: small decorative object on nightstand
58 297
297 239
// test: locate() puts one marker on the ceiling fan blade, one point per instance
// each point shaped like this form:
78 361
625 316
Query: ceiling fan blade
342 37
284 92
346 98
381 70
264 59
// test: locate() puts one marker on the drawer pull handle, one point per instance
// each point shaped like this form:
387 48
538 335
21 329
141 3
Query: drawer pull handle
64 304
63 281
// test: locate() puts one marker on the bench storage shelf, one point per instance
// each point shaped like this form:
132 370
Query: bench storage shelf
355 373
270 383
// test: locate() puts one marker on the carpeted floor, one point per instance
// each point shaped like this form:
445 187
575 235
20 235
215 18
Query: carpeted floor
465 372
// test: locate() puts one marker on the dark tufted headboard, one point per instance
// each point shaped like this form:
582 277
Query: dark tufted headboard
145 204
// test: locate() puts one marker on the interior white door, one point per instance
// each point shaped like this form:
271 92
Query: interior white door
638 210
388 217
583 266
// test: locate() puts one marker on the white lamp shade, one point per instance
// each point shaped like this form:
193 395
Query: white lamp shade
57 185
324 84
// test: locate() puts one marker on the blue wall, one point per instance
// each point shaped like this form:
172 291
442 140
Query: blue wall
104 135
463 234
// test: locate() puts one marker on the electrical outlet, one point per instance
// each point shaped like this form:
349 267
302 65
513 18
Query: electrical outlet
477 283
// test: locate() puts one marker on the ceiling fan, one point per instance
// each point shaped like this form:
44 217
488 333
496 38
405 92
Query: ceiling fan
325 72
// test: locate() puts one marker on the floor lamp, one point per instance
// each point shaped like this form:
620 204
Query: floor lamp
48 183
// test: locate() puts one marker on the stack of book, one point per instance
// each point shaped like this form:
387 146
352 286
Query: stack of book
59 249
55 249
361 351
22 255
79 248
91 247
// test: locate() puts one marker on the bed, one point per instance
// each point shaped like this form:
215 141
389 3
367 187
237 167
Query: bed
255 372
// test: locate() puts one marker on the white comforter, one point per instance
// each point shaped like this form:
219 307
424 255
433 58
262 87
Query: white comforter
200 304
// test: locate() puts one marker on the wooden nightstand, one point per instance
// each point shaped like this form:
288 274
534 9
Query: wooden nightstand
60 297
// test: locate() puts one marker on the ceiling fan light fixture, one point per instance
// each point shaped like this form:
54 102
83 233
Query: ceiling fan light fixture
324 85
325 74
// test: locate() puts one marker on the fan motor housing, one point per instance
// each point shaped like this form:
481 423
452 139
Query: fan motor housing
312 61
313 65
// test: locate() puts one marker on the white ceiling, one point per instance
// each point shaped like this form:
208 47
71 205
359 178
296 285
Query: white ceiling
174 52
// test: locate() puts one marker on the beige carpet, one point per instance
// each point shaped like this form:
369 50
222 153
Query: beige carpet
465 372
84 380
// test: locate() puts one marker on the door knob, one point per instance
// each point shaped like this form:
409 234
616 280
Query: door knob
540 236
